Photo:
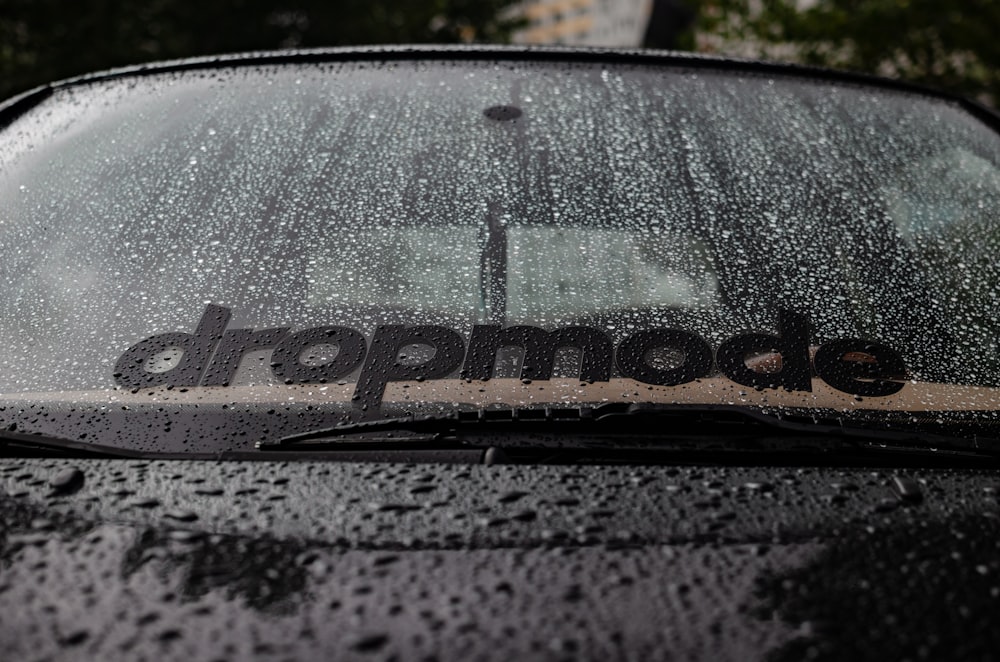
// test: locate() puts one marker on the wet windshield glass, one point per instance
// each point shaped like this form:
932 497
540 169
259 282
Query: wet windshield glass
198 257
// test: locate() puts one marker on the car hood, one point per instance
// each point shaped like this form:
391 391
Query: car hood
109 559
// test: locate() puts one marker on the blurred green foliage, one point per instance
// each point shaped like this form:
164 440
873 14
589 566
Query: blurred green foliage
46 40
950 45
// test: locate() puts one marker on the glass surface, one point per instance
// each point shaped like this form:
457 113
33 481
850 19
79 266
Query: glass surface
456 194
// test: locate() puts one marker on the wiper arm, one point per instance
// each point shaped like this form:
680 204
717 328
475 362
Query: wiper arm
438 425
493 421
624 426
17 443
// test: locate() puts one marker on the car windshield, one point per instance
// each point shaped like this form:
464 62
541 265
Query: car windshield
193 260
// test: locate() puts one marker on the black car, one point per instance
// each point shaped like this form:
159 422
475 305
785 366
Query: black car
484 353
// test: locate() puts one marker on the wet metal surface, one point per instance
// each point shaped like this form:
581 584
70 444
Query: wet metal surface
173 560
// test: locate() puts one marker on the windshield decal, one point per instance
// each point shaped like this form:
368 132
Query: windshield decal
211 355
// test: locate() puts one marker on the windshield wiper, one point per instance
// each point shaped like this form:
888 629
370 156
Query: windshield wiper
617 429
602 420
31 444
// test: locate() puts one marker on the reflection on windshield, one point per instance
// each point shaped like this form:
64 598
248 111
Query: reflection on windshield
576 271
552 270
405 267
954 238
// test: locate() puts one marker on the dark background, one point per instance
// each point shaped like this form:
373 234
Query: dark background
45 40
950 45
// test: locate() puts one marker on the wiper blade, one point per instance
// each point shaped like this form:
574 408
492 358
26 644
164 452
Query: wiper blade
437 425
625 426
14 442
508 420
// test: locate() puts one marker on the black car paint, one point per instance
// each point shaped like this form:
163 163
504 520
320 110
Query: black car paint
122 559
197 560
